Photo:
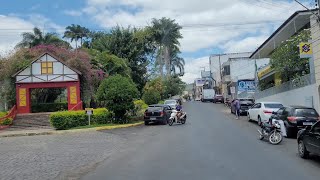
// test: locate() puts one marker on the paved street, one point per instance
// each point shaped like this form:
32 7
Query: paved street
211 145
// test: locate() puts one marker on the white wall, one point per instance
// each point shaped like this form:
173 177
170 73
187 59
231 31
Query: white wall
245 68
302 96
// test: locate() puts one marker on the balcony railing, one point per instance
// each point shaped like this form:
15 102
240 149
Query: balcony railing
287 86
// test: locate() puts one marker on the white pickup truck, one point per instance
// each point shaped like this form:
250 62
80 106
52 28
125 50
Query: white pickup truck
208 95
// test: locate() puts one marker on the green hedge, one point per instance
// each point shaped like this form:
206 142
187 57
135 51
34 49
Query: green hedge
2 114
7 121
49 107
69 119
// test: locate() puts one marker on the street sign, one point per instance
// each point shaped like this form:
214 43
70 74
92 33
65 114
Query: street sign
89 112
305 50
233 90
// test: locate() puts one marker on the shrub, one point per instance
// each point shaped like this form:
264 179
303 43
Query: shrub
139 107
161 102
2 114
69 119
151 97
118 93
6 122
49 107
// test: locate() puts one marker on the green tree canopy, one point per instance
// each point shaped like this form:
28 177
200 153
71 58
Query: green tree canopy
117 93
166 34
32 39
109 64
286 60
135 45
173 86
76 32
151 97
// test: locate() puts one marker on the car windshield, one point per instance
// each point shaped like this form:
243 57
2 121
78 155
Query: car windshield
170 102
273 105
306 112
154 108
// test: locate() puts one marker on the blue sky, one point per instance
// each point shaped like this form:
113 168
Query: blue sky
209 27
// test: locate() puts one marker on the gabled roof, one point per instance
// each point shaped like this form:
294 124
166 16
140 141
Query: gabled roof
294 23
56 58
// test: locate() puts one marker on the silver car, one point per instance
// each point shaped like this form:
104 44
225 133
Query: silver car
172 103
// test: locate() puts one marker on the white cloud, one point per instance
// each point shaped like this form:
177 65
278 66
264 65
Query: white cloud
248 44
193 68
12 27
10 32
73 13
206 24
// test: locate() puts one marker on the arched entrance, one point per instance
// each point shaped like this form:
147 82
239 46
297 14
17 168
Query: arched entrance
47 71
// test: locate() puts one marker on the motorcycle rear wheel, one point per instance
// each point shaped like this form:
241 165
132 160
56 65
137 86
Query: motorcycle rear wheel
170 122
275 138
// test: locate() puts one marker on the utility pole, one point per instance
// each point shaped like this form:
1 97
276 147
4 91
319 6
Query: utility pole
220 74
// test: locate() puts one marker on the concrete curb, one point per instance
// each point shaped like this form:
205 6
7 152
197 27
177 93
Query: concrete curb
52 132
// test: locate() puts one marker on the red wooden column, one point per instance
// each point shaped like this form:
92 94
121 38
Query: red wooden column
23 99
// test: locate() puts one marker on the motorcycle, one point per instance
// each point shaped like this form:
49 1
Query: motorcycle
272 132
174 118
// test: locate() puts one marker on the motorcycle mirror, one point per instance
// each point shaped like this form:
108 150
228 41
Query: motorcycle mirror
273 112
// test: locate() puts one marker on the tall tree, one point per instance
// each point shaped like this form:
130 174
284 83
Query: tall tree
31 39
134 45
177 62
76 32
167 35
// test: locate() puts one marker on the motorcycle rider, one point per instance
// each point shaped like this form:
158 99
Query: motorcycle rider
179 111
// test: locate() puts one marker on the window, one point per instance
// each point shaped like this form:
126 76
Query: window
286 111
306 113
280 111
273 106
46 68
257 106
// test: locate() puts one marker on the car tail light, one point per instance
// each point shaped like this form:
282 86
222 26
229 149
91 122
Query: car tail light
267 112
292 119
161 113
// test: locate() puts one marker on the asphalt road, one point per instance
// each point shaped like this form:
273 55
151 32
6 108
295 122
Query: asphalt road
211 145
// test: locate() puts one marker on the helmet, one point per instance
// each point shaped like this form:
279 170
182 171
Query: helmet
178 108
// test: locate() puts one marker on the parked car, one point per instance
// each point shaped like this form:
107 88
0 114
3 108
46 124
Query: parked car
218 98
157 113
245 104
173 103
262 111
296 117
309 141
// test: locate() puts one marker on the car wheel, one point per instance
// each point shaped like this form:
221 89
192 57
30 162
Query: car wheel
259 121
146 123
248 116
303 153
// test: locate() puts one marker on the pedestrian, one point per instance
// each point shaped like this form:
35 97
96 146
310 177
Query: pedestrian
237 107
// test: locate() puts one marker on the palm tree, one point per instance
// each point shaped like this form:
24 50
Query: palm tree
31 39
177 62
76 32
166 34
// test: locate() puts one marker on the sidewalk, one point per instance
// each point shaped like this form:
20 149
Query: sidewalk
52 131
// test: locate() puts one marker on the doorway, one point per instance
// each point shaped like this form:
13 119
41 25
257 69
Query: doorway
48 99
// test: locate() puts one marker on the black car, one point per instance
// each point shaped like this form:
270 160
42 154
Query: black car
296 117
218 98
159 113
245 104
309 141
